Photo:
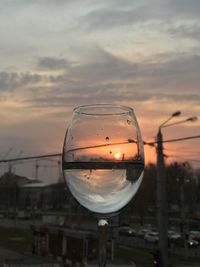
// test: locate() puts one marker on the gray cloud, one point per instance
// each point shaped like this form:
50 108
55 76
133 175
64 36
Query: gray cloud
107 94
6 5
110 18
166 71
112 79
174 80
122 13
184 8
106 67
191 31
13 80
51 63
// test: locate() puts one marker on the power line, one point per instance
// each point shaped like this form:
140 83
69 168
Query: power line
183 149
173 140
181 139
32 157
59 154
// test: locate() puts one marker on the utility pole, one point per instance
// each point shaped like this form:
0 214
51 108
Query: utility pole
162 211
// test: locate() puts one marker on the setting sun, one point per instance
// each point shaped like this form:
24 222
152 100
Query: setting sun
117 155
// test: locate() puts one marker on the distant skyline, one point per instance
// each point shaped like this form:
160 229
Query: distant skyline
56 55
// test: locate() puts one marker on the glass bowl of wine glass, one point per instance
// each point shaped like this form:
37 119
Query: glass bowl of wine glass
103 157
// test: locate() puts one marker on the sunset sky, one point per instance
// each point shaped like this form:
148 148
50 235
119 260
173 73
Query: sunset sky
58 54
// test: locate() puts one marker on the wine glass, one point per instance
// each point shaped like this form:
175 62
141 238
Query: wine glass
103 161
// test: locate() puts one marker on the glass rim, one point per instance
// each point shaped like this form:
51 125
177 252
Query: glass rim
90 109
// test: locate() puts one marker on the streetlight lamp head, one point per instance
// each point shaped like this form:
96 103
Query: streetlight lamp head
192 118
177 113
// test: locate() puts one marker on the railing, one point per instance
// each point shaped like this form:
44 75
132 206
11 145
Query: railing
21 263
141 243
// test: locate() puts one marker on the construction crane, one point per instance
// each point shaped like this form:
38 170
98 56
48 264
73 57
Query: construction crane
10 168
60 175
39 165
6 154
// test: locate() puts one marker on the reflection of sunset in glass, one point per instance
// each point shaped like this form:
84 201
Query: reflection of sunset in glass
106 151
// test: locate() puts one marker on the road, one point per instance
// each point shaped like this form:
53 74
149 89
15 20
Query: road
25 224
11 257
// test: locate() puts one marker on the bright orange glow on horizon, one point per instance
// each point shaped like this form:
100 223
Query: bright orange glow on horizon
149 154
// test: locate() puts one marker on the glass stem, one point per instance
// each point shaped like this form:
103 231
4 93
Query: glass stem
103 230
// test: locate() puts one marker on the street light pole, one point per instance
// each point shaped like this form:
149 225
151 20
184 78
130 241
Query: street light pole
162 210
162 203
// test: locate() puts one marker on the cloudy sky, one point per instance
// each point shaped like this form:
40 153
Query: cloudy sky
58 54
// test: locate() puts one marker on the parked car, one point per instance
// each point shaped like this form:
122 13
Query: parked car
173 236
126 231
142 232
194 235
151 237
192 243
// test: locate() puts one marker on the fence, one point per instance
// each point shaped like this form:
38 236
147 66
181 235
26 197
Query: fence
140 243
